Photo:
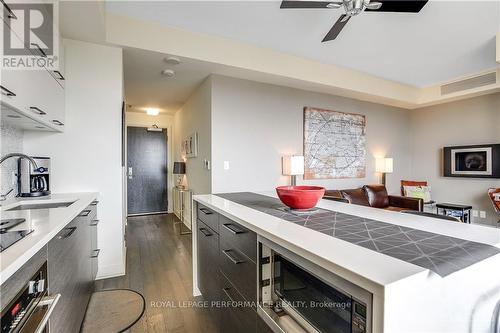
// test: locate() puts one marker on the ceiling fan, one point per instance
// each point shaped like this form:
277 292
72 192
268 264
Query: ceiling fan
353 8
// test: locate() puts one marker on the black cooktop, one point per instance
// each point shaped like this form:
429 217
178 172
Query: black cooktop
438 253
8 238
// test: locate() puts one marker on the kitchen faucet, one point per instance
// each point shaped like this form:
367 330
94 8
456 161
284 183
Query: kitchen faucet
6 157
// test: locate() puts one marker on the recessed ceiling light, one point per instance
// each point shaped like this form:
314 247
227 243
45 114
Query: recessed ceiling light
13 116
168 73
152 111
172 60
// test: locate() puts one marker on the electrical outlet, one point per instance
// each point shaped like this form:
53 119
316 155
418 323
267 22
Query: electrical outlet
482 214
475 213
226 165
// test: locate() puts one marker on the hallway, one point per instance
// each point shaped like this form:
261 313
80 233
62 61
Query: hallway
159 267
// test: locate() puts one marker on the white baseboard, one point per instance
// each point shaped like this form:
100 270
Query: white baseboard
110 271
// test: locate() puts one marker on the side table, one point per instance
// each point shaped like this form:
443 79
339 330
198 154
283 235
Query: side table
461 211
182 207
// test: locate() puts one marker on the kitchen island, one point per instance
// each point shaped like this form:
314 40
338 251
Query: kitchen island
406 296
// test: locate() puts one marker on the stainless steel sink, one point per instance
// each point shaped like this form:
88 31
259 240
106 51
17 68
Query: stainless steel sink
41 205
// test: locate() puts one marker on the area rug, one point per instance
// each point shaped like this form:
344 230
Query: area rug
113 310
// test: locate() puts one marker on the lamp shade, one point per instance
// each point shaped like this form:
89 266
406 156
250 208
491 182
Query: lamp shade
384 165
293 165
179 168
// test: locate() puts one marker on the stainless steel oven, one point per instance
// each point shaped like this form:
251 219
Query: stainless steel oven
30 310
297 295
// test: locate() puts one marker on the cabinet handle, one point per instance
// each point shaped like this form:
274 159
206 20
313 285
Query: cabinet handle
225 290
61 77
42 52
85 213
205 232
57 122
206 211
6 91
233 229
94 223
37 110
94 203
70 232
96 253
10 13
234 260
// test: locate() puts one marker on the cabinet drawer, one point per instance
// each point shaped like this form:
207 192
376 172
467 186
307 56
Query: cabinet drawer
239 237
239 269
208 249
209 217
239 319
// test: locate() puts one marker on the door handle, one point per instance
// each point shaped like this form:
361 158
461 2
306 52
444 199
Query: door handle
205 232
130 173
233 229
205 211
69 233
42 52
7 92
37 110
234 260
61 77
96 253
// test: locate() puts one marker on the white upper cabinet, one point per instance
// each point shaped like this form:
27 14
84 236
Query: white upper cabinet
32 99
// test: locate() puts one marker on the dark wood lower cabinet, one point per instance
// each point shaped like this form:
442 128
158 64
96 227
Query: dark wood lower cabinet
227 272
70 272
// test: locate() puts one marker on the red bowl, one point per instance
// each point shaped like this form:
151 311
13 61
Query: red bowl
300 197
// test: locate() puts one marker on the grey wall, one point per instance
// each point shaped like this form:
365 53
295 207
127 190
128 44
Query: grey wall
255 124
11 141
195 116
468 122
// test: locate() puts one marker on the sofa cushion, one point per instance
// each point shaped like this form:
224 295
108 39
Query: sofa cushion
377 196
356 196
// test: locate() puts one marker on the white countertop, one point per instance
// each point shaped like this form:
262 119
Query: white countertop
375 267
46 223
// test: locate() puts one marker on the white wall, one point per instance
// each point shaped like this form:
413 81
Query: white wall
195 116
467 122
87 156
165 121
11 141
255 124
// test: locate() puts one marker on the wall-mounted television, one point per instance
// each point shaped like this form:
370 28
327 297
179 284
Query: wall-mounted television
477 161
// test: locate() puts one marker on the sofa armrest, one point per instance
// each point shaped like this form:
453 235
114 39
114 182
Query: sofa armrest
406 202
335 198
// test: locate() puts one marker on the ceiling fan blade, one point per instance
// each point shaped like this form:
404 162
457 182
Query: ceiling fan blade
400 6
309 4
337 28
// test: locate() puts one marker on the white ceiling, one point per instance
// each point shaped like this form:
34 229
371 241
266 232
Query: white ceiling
446 40
145 86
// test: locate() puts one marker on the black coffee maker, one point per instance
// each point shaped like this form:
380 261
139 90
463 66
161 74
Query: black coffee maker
34 182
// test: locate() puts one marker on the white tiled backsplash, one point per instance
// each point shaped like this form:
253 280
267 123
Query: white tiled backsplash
11 141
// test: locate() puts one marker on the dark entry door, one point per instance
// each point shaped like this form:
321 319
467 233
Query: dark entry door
146 171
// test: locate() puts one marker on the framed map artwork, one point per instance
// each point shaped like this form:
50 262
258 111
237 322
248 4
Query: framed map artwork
334 144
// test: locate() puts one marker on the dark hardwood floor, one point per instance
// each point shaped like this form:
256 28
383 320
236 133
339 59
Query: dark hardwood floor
159 266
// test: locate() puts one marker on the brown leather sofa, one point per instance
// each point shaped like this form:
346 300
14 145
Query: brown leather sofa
375 196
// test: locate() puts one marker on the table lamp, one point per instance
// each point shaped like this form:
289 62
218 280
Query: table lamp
179 170
293 166
384 166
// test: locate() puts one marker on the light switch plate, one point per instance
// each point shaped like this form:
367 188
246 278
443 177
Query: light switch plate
226 165
475 213
482 214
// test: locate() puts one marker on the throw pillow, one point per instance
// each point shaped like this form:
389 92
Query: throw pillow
421 192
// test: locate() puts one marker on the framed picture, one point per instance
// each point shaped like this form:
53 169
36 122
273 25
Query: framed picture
189 146
478 161
334 144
